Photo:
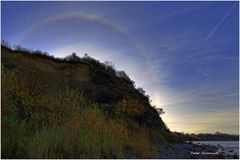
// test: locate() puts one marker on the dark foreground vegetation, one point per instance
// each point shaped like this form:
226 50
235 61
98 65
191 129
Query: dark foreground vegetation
73 108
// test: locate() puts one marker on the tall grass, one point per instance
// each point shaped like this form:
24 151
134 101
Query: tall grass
140 144
89 136
13 138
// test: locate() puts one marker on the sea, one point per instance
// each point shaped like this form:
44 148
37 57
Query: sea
226 147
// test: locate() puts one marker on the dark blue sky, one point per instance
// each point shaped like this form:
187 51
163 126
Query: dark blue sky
184 54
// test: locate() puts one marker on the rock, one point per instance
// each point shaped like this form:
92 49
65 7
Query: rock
235 156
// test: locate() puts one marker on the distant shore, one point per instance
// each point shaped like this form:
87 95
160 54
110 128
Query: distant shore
193 151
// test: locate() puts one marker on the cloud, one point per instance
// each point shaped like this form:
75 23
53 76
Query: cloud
219 23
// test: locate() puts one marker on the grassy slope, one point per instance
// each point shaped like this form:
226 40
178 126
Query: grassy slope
39 93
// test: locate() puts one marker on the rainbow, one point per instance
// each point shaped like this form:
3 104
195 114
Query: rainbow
92 19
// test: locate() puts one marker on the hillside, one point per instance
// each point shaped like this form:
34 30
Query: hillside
73 108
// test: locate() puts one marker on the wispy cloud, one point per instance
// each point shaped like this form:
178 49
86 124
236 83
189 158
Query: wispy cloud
219 23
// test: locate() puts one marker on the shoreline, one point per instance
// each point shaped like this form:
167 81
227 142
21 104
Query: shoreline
192 151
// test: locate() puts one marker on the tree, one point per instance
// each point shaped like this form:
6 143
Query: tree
109 64
124 76
72 58
110 67
140 90
160 111
86 55
18 47
6 44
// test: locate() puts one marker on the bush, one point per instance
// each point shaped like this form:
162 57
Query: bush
130 107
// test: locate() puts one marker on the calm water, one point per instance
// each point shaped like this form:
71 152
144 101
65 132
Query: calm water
228 147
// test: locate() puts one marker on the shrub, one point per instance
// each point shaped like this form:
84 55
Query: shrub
130 107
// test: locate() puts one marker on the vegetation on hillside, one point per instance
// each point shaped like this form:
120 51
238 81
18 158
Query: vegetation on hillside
73 108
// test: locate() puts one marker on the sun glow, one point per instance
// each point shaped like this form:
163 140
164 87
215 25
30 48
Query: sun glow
120 62
85 48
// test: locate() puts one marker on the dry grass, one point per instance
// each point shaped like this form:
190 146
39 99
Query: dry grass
140 144
89 136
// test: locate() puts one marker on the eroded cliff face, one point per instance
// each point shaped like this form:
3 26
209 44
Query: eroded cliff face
98 82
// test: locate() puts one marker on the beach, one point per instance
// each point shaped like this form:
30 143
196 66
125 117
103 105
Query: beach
193 151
